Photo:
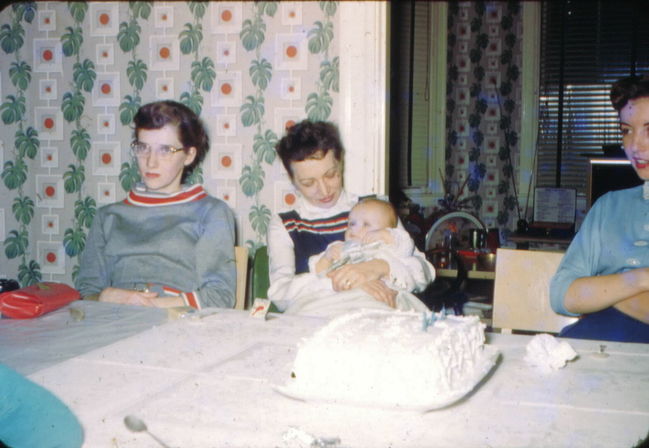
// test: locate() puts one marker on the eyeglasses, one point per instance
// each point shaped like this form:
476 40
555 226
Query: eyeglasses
141 149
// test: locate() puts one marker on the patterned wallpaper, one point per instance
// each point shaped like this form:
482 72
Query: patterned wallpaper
73 75
483 107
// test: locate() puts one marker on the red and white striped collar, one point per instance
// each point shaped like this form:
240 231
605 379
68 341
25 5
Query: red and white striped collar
141 197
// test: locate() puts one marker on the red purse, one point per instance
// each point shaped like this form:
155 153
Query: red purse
36 300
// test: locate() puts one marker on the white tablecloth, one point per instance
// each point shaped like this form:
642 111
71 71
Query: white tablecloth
211 385
29 345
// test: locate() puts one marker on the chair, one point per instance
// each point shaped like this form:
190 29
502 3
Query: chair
260 279
241 261
522 292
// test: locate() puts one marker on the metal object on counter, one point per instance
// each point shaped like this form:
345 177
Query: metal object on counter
136 424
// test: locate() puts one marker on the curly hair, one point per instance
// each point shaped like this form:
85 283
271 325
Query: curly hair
309 140
191 130
629 88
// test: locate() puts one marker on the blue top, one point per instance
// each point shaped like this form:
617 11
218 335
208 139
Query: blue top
31 416
613 238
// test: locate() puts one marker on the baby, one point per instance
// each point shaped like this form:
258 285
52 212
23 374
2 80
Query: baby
372 228
372 233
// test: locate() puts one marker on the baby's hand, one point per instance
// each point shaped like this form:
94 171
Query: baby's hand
383 235
334 251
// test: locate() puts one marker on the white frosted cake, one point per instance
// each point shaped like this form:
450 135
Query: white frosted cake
391 358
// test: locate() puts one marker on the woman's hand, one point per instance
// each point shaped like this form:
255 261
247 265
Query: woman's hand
352 276
128 296
381 292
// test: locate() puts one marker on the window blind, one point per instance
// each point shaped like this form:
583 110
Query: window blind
419 151
585 47
411 30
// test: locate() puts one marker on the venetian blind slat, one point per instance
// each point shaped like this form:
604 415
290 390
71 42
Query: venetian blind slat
585 47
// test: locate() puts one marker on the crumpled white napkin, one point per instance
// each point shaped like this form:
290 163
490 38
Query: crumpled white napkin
547 353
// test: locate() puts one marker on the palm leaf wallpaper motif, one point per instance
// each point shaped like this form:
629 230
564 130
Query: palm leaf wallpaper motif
73 107
252 113
24 141
73 75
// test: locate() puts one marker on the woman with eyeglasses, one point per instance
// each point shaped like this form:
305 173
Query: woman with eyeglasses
168 243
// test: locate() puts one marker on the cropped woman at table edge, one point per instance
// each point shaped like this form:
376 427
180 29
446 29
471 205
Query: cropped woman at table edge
32 416
604 275
312 154
168 243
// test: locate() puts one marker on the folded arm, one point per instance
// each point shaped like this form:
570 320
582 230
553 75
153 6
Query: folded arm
627 291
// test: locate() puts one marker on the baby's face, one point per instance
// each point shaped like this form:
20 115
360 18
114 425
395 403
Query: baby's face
365 218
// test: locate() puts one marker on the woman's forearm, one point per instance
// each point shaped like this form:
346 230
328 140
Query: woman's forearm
591 294
636 307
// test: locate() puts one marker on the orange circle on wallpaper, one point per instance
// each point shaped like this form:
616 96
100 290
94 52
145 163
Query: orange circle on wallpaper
48 123
50 257
164 17
289 124
106 158
226 197
226 161
226 15
165 88
226 88
50 191
164 52
47 55
104 18
105 88
291 51
106 124
289 199
46 20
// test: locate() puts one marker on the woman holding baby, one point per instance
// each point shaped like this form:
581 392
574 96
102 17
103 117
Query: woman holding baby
313 155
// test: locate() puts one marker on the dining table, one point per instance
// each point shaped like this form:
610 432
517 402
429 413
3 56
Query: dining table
213 378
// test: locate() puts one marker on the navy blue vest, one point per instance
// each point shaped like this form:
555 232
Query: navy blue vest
311 237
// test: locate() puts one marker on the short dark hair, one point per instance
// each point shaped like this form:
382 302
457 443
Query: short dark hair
191 130
629 88
309 140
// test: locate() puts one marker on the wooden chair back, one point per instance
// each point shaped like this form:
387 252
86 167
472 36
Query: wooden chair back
522 291
241 261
